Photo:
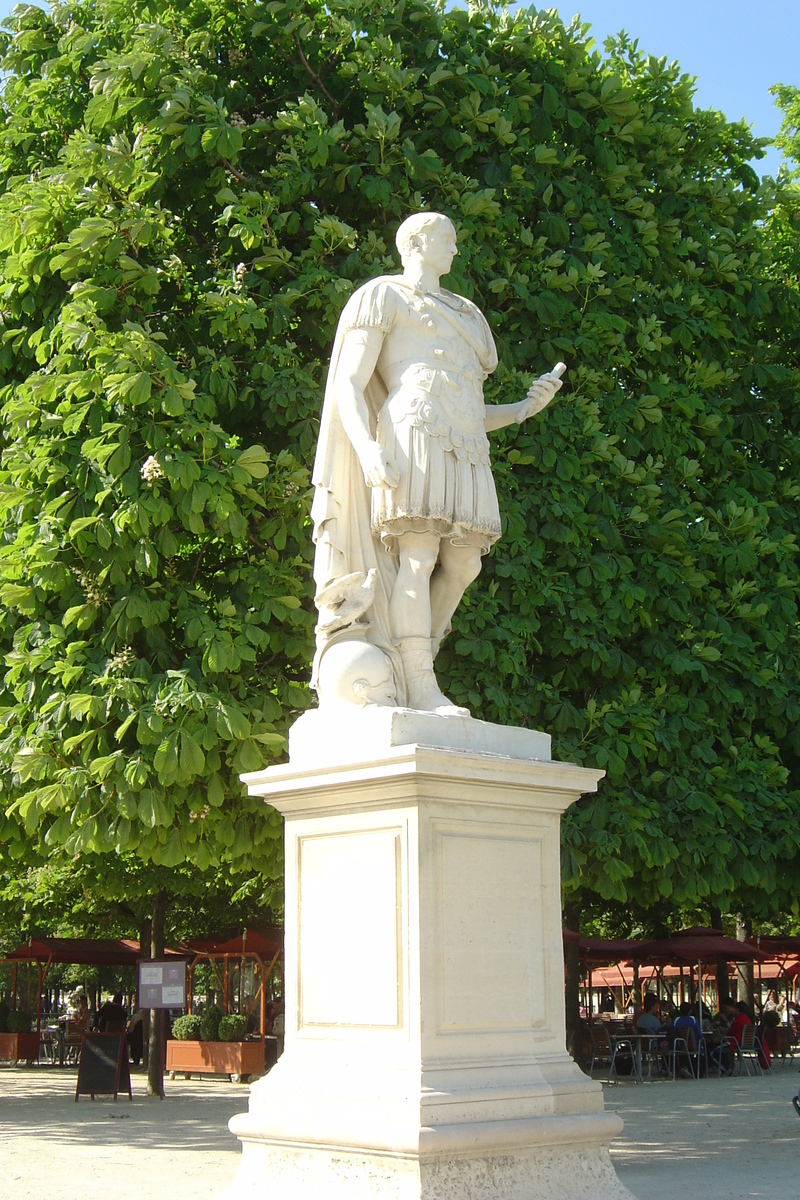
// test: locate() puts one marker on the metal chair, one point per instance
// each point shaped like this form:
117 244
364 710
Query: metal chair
657 1054
727 1047
602 1050
748 1051
685 1045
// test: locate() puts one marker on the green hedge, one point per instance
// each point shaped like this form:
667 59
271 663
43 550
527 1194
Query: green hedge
232 1028
187 1029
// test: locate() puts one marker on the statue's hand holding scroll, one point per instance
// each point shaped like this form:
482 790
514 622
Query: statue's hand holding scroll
379 470
541 392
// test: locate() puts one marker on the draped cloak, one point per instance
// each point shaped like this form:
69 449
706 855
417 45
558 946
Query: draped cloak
346 548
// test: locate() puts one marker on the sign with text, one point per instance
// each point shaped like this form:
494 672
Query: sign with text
162 984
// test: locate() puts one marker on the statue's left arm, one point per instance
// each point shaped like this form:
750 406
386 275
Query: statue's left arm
539 395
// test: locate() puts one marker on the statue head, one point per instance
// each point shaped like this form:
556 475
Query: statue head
355 672
427 235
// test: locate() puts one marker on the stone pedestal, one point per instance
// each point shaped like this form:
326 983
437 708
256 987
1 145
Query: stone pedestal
424 1053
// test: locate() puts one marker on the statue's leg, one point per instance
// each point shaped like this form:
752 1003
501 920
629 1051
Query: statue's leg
410 605
458 567
410 612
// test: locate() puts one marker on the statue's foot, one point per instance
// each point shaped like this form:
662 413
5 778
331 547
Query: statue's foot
424 693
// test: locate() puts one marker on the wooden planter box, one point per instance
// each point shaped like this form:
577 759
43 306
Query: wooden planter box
216 1058
16 1046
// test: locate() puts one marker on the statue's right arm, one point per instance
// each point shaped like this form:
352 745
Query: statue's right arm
357 362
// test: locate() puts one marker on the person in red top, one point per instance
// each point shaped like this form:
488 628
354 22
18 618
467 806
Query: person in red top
742 1019
739 1023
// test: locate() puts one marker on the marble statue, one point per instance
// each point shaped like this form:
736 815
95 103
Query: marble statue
405 504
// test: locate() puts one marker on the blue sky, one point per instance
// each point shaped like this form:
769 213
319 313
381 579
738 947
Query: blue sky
736 48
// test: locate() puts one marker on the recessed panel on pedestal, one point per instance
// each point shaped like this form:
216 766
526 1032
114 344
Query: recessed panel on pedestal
349 921
491 934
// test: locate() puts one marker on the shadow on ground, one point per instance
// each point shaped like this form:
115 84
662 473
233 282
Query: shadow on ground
39 1102
719 1139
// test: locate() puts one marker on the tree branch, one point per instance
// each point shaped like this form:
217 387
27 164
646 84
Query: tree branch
316 78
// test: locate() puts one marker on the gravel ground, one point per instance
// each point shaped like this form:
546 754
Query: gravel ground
726 1139
715 1139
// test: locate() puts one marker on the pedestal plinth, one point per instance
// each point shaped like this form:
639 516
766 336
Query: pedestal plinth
424 1049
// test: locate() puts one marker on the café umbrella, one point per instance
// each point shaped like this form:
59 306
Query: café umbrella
696 946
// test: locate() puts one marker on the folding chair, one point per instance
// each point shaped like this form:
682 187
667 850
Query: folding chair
718 1054
602 1050
749 1049
73 1038
658 1054
685 1044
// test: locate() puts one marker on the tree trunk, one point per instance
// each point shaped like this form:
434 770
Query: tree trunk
723 987
572 995
144 952
155 1058
744 930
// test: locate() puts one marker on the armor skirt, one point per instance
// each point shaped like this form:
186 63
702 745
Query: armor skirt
446 483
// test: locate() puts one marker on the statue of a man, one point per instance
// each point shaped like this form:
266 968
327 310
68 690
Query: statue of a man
405 504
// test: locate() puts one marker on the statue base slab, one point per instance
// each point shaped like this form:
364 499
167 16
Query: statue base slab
355 735
425 1042
547 1172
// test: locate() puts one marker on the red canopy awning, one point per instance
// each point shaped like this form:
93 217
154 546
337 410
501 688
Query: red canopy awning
700 945
611 950
110 952
775 946
266 943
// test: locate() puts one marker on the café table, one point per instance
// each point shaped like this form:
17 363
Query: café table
634 1043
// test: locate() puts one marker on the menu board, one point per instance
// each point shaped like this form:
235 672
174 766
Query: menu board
162 984
103 1068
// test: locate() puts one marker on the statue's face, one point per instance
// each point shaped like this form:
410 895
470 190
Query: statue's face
438 247
377 689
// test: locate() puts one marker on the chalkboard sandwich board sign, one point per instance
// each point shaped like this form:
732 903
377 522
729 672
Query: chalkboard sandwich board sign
103 1069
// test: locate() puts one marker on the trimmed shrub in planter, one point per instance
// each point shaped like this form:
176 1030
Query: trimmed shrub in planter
232 1028
209 1024
188 1029
19 1021
237 1059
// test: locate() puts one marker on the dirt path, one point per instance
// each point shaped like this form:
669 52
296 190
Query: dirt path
727 1139
715 1139
52 1147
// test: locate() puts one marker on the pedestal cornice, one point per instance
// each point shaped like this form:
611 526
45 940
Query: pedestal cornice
419 769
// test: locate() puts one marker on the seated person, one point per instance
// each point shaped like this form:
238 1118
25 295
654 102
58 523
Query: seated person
650 1020
686 1020
79 1009
112 1011
742 1017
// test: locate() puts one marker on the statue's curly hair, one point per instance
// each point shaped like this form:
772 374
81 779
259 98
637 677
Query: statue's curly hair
415 225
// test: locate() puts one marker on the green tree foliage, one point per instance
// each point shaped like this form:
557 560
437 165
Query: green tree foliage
150 576
97 895
194 189
783 224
